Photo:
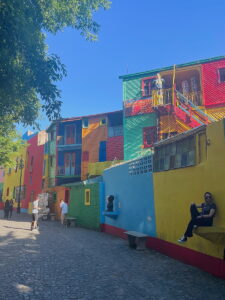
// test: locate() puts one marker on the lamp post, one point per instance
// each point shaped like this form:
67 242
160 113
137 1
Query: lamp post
20 166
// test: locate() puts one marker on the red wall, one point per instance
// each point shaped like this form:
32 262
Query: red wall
213 91
114 148
38 153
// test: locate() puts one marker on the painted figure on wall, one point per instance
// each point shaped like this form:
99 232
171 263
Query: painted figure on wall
110 200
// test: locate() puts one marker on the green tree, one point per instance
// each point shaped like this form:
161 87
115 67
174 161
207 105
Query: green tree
28 73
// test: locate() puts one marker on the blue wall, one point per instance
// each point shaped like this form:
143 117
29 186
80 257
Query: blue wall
134 197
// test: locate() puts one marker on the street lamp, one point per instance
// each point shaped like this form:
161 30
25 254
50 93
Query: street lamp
20 166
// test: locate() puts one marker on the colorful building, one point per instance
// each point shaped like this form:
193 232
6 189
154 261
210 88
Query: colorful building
131 185
14 187
34 168
86 201
184 168
163 102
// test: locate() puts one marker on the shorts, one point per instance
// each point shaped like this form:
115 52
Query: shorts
35 216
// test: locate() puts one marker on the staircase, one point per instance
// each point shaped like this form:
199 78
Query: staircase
188 113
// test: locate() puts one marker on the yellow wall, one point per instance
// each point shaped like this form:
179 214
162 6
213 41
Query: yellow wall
175 190
91 137
13 180
98 167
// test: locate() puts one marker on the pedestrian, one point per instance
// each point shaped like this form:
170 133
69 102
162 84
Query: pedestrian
64 210
10 208
34 223
6 209
203 218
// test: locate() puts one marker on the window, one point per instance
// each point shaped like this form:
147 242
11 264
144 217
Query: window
70 133
147 85
52 135
51 160
87 200
44 167
30 179
14 192
31 164
7 192
85 156
43 184
103 121
149 136
85 123
221 75
178 154
32 196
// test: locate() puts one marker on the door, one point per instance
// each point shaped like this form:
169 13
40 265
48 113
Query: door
69 162
70 134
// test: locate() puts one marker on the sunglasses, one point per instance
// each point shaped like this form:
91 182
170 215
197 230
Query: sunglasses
207 196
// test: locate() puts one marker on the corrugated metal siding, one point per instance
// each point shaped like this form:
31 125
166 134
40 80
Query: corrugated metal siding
133 134
131 89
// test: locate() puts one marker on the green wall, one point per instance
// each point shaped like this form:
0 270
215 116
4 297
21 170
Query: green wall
131 89
133 134
88 216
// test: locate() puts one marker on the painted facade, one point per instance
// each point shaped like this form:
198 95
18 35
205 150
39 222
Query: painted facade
34 168
181 97
85 203
176 189
14 180
131 184
102 142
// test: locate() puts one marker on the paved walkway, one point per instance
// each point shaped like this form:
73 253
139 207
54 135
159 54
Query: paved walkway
75 263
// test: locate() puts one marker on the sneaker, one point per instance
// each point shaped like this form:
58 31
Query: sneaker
195 226
183 239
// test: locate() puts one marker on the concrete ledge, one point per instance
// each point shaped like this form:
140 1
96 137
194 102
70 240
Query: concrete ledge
212 233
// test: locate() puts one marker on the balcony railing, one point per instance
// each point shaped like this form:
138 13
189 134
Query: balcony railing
61 170
164 97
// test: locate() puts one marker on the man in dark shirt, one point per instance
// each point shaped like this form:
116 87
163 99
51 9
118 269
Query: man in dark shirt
205 218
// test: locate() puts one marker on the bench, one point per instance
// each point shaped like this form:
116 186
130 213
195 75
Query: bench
211 233
68 221
52 217
136 240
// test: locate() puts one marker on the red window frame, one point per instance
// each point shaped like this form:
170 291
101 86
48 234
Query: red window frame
149 79
149 133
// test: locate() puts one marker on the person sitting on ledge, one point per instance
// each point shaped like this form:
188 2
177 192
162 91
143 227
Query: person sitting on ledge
205 218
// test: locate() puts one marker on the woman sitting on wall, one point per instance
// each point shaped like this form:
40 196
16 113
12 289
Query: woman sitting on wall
205 218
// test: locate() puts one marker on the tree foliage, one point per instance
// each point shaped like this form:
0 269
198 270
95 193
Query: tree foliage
28 73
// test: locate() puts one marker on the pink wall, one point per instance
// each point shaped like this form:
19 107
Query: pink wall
114 148
213 90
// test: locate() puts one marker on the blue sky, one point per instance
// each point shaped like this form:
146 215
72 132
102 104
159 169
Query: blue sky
135 36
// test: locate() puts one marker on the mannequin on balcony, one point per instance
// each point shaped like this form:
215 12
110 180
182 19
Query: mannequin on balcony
158 85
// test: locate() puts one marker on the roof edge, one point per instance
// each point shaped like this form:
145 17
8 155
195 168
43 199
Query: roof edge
153 71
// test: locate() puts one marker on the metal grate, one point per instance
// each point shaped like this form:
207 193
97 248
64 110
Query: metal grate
141 166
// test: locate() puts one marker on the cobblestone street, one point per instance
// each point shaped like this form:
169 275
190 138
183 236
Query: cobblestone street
75 263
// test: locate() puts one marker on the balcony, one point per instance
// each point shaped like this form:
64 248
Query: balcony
164 97
65 145
71 171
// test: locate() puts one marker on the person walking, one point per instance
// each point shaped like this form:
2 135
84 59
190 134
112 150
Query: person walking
34 223
6 209
10 208
64 210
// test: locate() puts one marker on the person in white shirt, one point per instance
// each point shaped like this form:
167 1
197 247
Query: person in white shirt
35 214
64 210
